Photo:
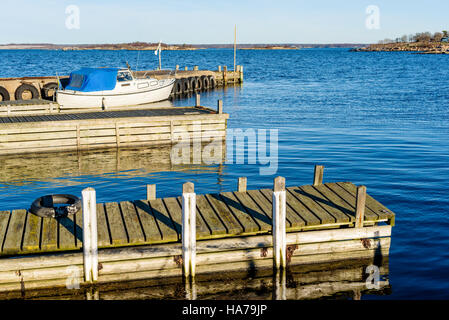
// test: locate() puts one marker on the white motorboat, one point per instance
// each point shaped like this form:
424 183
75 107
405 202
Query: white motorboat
111 87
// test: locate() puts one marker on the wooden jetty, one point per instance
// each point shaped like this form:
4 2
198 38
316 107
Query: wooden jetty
111 129
193 234
187 81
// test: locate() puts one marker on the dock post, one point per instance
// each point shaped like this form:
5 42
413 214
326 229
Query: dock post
220 106
195 68
177 67
360 206
241 74
197 100
279 234
242 184
90 246
219 68
151 192
186 68
318 175
188 229
225 75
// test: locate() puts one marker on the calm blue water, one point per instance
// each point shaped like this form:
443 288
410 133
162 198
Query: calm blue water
378 119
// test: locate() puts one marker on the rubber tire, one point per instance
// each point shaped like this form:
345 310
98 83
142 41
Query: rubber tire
5 94
26 87
205 82
178 87
199 84
192 81
212 82
185 85
44 206
49 86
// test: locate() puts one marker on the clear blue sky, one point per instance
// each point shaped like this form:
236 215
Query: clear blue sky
208 21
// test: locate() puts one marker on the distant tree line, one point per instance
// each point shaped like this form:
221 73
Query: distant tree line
418 37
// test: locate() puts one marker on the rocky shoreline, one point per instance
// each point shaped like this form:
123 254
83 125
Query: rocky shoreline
415 47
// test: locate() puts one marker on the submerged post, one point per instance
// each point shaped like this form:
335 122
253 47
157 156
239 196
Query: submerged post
242 184
279 233
188 229
318 175
90 246
360 206
151 192
197 100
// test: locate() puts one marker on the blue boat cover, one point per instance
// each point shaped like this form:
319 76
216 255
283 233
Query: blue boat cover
93 79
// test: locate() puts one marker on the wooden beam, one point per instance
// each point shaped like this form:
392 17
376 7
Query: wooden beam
242 184
360 206
318 175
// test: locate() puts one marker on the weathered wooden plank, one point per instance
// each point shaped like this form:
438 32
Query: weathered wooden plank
166 225
149 225
104 239
340 216
347 200
13 240
293 219
208 213
373 204
132 224
66 239
4 219
254 210
49 240
297 207
312 206
37 136
232 225
174 207
246 220
115 221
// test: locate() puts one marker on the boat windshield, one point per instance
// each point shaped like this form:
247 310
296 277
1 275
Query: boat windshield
124 76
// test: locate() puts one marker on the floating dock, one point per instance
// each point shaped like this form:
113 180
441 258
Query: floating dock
111 129
187 81
231 231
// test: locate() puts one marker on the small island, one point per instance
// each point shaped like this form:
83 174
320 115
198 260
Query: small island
422 43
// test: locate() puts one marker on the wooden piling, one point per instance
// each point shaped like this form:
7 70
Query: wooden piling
195 68
151 192
318 175
90 243
241 74
220 106
279 231
219 68
177 67
225 75
186 68
188 229
242 184
360 206
197 100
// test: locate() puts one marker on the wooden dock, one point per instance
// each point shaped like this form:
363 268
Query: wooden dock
111 129
234 231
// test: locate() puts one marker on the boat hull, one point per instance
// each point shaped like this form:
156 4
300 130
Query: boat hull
68 99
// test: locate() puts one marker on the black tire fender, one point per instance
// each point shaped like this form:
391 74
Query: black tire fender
199 84
212 82
45 206
205 82
26 87
192 82
4 94
178 86
185 85
47 88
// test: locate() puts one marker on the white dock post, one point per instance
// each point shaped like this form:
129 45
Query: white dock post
90 243
360 206
242 184
151 192
188 229
197 100
220 106
279 233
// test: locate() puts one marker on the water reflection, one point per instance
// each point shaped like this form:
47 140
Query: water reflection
25 169
340 280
